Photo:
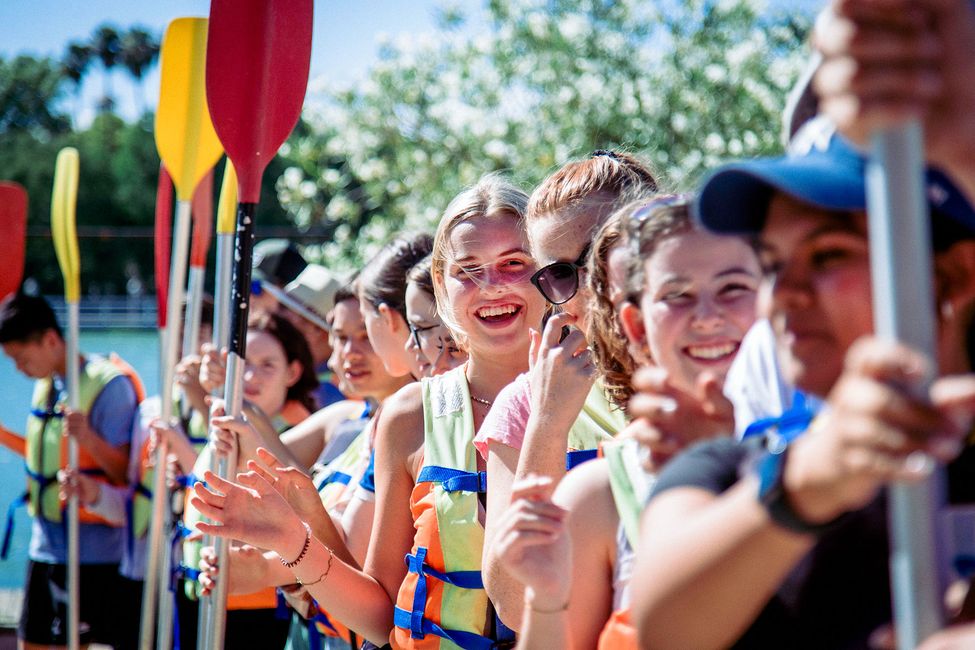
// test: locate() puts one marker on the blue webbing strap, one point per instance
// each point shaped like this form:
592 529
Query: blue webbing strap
8 531
466 640
578 457
789 425
453 480
333 477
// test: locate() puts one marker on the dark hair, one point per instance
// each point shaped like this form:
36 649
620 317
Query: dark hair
383 279
26 318
421 275
295 349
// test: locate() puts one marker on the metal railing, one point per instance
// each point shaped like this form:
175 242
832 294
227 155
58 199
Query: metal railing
110 312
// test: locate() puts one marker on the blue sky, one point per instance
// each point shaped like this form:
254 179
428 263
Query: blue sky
344 42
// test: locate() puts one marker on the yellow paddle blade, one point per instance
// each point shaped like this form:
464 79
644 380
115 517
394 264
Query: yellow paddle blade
185 138
63 203
227 208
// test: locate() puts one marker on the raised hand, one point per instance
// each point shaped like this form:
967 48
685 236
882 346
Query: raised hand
213 368
533 545
250 510
667 418
294 485
561 373
889 60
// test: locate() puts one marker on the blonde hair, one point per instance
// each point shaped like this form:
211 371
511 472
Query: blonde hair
493 197
604 172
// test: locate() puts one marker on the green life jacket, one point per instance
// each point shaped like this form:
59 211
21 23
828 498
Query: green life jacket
46 446
629 483
598 422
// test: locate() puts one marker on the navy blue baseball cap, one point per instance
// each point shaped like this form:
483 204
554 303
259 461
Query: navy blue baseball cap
820 168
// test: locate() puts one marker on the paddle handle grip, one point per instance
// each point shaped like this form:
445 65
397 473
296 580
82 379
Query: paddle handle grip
901 270
241 291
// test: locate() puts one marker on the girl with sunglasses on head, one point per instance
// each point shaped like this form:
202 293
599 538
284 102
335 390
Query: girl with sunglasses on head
555 408
572 545
428 474
430 341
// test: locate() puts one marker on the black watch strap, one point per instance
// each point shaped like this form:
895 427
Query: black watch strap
771 494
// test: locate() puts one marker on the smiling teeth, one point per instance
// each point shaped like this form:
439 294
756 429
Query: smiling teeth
711 351
500 310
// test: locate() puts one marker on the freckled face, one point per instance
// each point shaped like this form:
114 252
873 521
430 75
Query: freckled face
698 303
489 294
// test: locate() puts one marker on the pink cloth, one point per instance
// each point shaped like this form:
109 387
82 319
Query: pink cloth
508 418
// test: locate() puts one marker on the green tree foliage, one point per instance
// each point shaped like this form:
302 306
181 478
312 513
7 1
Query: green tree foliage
524 86
29 92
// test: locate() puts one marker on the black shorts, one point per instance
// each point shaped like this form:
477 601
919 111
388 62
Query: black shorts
44 619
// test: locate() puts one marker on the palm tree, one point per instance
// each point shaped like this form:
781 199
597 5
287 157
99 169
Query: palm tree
139 49
106 45
74 66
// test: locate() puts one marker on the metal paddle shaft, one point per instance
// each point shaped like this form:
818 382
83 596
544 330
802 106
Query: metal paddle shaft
13 223
226 209
63 229
258 54
900 254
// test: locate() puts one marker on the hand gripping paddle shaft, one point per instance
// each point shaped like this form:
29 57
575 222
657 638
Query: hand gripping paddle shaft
188 147
13 227
63 204
258 54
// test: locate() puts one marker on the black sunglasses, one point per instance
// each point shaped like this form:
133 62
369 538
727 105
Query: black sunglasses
559 281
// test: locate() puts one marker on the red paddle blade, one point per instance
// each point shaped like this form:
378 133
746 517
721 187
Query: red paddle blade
163 241
258 53
202 221
13 236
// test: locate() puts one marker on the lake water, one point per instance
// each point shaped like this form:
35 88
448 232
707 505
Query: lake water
139 347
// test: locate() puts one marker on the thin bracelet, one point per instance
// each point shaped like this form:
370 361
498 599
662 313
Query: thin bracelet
321 578
304 549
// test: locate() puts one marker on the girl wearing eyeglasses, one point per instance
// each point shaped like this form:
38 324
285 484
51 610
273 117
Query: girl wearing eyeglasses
572 545
555 407
382 294
428 475
430 341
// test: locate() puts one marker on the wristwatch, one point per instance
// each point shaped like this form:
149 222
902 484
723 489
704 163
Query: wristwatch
771 494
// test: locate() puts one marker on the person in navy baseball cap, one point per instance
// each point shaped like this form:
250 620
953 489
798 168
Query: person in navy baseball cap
824 170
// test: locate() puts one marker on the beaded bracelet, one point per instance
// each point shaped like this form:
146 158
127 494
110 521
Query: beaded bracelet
304 549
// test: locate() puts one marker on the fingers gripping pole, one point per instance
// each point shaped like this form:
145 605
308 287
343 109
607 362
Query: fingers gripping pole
227 467
900 252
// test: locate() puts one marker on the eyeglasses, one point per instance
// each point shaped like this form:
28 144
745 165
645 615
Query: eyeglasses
422 334
559 281
432 342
